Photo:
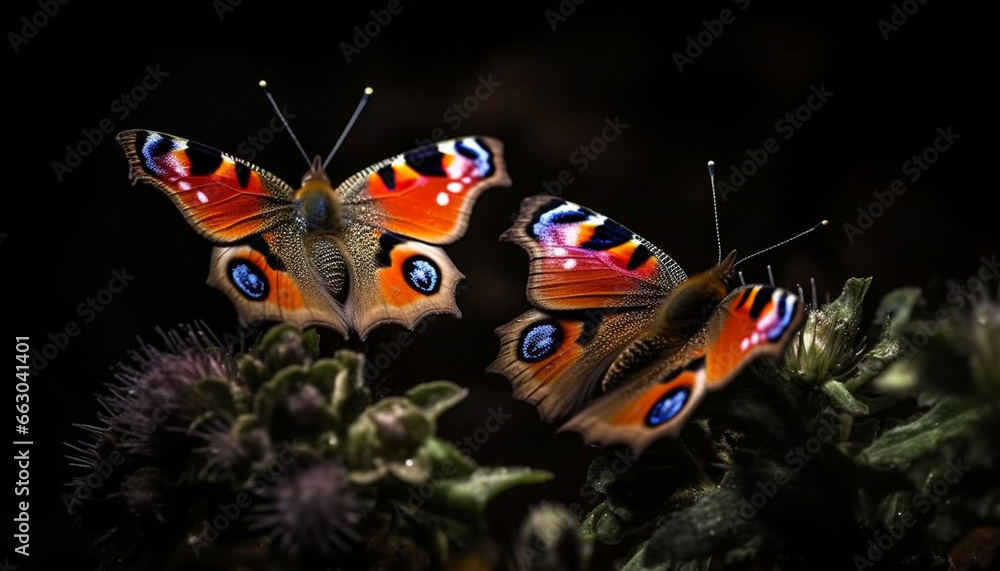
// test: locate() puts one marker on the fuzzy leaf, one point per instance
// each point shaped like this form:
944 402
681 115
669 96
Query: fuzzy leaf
897 448
436 397
350 395
219 394
843 399
897 306
447 458
310 340
876 360
638 563
471 494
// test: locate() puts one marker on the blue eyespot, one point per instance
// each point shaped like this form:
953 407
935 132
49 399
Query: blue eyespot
248 279
786 306
153 147
669 406
540 340
422 274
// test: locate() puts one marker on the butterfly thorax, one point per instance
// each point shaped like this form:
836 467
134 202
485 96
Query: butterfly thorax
682 316
317 205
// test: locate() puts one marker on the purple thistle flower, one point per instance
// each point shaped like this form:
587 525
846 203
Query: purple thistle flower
312 511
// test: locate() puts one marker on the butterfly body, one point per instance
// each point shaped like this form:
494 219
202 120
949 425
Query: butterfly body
349 257
615 312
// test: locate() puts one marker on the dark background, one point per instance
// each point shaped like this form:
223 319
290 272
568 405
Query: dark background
607 59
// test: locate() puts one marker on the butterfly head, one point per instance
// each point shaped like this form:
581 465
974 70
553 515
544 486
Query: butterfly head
317 205
688 307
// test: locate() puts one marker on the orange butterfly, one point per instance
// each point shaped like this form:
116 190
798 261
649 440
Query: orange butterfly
351 257
614 310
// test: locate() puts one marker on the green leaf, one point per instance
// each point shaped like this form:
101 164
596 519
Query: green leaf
310 340
436 397
843 399
448 459
897 306
899 447
637 563
876 360
350 395
470 495
219 395
847 307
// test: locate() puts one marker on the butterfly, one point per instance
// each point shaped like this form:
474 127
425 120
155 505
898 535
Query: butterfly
352 257
613 309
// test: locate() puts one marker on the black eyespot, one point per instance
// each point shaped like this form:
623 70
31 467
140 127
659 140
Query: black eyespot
422 274
540 341
248 279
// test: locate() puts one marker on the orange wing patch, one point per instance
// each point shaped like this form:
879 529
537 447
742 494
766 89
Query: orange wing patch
261 288
224 198
657 403
428 193
397 280
581 259
751 321
554 362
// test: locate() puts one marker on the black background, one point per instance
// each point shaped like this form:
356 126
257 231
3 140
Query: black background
607 59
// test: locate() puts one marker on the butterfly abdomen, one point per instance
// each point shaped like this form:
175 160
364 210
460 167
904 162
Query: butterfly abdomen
634 356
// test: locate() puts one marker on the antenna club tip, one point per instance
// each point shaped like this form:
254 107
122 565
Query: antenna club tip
711 163
369 91
824 223
262 83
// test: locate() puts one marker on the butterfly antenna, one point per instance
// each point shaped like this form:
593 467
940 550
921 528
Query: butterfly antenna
770 275
715 207
277 110
742 281
357 111
783 242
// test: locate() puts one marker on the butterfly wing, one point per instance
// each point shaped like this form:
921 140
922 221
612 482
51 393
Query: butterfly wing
225 198
658 399
396 280
581 259
427 193
270 279
554 361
